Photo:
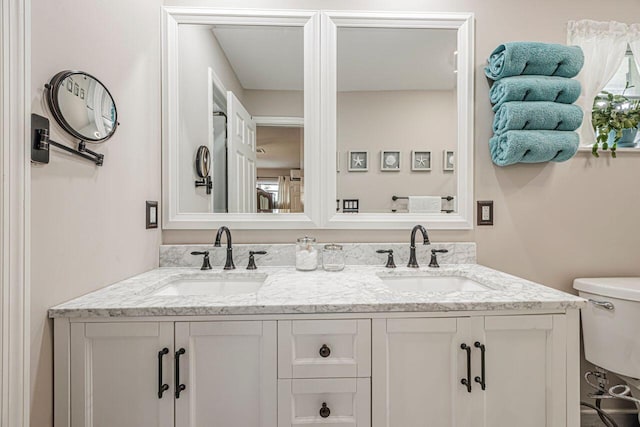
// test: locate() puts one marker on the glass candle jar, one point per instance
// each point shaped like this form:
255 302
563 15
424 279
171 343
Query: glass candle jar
306 254
333 257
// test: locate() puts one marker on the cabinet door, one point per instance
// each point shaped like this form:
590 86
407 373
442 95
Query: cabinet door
115 375
229 370
417 365
525 371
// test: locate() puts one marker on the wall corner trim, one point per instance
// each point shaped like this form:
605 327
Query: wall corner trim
15 197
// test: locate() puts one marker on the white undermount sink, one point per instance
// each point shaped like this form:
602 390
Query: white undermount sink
432 284
222 287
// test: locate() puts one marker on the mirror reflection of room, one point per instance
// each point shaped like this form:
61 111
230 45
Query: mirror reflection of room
396 120
241 96
280 158
87 106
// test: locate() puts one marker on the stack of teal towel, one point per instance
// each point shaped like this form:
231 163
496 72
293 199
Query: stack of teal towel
532 96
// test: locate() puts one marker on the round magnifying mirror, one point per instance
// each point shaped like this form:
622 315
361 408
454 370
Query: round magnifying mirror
203 161
82 106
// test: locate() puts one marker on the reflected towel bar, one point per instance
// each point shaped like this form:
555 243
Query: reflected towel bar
394 198
447 198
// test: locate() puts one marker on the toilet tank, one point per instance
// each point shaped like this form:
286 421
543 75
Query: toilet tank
611 323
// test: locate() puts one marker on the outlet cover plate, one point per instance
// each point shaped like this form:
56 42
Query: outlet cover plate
152 214
485 212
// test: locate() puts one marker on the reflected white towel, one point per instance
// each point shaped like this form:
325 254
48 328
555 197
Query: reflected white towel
425 204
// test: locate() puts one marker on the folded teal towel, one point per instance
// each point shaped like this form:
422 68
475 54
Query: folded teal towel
534 88
518 115
543 59
533 146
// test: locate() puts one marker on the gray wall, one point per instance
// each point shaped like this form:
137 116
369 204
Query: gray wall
395 120
88 222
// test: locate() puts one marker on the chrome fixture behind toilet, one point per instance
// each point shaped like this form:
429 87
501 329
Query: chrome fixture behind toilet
610 330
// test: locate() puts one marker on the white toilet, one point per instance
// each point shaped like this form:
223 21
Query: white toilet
611 326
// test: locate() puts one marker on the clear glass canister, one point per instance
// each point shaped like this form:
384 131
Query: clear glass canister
306 254
333 257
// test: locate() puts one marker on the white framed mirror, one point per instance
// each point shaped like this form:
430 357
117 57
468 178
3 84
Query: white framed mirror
244 84
397 120
317 119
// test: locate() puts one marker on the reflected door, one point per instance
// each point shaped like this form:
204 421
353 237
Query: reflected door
241 158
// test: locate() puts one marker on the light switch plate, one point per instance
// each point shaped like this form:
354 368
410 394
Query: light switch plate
485 212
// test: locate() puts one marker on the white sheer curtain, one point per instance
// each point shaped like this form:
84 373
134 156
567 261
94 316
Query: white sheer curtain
284 193
604 45
634 42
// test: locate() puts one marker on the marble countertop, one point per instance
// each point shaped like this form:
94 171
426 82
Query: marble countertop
356 289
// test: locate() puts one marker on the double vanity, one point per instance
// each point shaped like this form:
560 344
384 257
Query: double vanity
458 345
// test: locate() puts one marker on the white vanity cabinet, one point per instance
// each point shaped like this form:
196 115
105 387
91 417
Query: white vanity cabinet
324 348
378 370
229 370
419 366
344 402
324 370
114 375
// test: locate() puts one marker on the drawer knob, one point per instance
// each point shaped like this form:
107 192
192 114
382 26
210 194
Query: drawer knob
325 351
324 411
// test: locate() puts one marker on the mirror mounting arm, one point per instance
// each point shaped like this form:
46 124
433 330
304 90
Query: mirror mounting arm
40 144
205 182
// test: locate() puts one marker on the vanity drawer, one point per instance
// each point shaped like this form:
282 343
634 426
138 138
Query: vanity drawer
343 402
324 348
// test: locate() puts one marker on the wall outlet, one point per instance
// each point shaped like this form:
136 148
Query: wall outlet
485 212
151 214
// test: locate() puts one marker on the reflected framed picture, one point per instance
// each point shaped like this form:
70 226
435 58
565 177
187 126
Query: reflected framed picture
448 160
421 161
390 160
358 161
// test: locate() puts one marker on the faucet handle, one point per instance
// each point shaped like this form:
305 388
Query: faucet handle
390 263
206 264
434 257
252 261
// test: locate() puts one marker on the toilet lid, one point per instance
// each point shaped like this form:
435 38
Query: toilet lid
627 288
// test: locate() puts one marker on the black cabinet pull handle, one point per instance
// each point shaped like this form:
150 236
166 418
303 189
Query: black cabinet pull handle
325 351
481 380
467 381
161 387
325 411
179 387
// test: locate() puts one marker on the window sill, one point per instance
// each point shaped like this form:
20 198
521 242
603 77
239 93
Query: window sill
587 148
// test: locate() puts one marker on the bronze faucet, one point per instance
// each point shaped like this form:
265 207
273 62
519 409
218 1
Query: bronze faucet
413 261
228 265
